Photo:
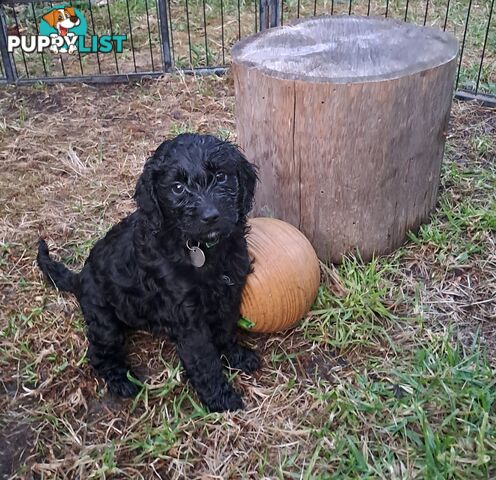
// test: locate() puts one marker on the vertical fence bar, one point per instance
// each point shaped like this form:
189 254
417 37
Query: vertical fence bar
164 33
426 12
78 52
406 10
462 48
171 31
255 10
94 33
269 13
149 34
61 59
22 51
112 33
131 34
239 20
6 58
189 32
446 17
205 32
484 48
222 30
42 54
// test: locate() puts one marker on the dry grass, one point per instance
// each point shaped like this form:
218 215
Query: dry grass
384 380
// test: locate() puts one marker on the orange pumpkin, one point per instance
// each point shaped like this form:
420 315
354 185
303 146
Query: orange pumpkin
285 278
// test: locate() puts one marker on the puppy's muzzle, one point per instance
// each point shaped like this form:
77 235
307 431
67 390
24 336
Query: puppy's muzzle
209 215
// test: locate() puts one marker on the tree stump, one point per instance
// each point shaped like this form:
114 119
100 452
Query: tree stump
346 118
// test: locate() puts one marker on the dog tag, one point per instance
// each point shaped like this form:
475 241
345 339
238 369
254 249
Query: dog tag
197 256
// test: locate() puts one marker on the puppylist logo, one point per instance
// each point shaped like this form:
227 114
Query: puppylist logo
63 29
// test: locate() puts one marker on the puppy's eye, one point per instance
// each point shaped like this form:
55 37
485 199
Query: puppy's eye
221 177
177 188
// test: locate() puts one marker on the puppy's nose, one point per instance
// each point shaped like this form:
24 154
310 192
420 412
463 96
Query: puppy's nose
74 19
210 215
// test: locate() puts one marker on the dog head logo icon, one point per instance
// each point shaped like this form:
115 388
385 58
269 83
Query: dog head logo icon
64 25
62 19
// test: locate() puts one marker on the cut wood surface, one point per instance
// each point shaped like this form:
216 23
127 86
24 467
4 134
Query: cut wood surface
346 118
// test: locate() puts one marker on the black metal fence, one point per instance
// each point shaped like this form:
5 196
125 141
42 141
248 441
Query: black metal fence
197 35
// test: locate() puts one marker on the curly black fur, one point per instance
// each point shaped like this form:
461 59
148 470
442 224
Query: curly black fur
196 189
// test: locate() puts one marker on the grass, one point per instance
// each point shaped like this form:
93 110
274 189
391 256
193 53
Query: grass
199 38
466 215
359 311
392 374
434 409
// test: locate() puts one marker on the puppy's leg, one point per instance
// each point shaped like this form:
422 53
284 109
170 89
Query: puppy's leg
204 369
106 351
224 334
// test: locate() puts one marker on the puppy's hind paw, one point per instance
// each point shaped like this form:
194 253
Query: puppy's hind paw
122 387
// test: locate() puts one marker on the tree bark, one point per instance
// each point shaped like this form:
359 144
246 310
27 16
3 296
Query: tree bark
346 118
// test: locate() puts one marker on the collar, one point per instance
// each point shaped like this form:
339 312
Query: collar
211 244
199 244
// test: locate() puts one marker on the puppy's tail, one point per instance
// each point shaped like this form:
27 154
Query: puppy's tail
58 274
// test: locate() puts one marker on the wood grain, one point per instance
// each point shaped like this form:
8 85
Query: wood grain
354 162
285 279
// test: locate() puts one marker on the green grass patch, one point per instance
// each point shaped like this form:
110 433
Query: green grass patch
430 415
363 314
465 219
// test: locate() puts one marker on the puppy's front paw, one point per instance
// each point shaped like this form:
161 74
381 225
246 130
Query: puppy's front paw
243 359
228 400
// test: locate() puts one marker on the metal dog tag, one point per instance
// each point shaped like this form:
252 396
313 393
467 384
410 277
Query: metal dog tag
197 256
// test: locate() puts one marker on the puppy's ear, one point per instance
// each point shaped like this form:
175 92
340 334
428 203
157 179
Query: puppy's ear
144 195
51 17
247 180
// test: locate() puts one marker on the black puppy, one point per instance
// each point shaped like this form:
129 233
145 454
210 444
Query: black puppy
177 265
